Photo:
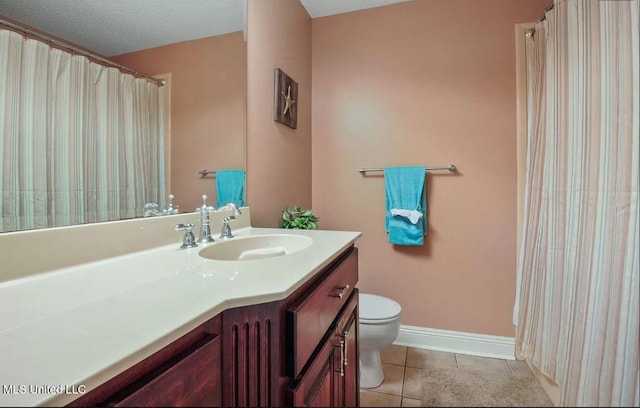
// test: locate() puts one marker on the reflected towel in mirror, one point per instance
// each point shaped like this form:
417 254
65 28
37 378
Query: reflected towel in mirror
230 185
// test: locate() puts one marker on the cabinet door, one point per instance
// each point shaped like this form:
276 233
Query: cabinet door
351 389
348 392
317 387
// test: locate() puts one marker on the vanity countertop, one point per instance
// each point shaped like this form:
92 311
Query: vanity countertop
69 330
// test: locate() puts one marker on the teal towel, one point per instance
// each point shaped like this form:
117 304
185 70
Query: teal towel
230 185
406 193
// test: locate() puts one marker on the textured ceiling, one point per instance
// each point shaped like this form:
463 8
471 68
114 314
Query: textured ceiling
113 27
321 8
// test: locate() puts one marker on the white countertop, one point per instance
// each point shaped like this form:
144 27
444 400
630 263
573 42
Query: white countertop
75 328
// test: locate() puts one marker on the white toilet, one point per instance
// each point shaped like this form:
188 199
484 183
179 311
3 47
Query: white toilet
379 326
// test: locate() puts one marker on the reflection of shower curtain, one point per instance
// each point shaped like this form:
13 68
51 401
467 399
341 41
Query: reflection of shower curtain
79 142
577 304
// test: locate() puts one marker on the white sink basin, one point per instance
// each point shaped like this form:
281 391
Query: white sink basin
255 247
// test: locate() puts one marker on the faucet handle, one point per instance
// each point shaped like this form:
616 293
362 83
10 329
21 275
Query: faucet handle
189 240
184 227
226 229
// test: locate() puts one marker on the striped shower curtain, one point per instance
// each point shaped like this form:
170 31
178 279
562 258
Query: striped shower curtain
577 304
79 142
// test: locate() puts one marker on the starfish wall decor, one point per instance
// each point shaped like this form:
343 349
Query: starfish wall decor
285 103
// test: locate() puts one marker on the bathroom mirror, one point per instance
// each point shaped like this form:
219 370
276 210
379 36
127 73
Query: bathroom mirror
205 94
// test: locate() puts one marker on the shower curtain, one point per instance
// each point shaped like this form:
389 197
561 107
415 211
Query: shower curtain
577 301
79 142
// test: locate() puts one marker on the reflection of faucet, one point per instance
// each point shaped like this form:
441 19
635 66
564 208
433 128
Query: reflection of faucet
151 209
226 230
170 209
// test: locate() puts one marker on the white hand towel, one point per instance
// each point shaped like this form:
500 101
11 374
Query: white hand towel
412 215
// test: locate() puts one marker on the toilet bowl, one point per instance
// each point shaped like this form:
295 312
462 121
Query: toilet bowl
379 326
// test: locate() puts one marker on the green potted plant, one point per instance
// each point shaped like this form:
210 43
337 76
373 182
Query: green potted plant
296 218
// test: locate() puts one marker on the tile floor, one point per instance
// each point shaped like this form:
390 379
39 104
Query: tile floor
403 372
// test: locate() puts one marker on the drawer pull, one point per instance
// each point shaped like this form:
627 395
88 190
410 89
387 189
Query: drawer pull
344 336
343 291
343 353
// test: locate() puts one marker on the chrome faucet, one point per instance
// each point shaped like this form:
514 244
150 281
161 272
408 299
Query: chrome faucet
205 211
226 229
151 209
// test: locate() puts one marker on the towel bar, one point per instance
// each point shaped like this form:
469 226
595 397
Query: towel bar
451 167
207 172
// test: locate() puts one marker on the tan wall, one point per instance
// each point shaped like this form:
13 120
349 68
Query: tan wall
208 109
278 157
426 82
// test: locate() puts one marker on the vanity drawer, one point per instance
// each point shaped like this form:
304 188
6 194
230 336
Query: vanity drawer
309 320
190 379
187 372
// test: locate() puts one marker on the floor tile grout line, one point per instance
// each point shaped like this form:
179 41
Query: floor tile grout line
404 375
378 392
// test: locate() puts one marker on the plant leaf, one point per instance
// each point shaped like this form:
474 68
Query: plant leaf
296 218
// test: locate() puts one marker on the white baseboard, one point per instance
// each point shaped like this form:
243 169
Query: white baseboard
482 345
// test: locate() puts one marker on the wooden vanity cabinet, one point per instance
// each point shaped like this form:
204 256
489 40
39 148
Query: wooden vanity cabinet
299 351
272 349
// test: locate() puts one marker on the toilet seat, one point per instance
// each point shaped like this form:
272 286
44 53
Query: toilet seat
375 309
